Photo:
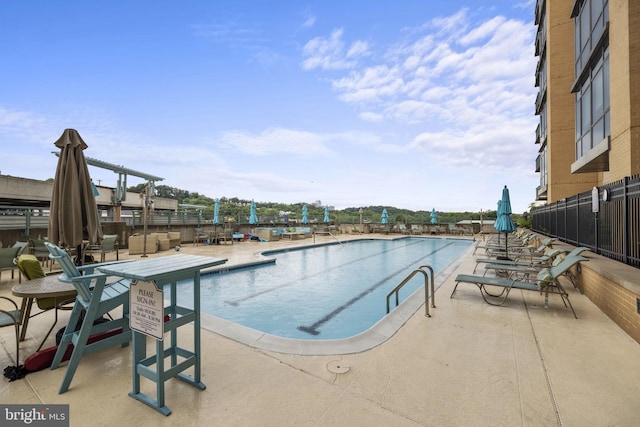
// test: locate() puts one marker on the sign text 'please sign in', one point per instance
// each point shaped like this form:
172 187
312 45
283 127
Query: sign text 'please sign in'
147 309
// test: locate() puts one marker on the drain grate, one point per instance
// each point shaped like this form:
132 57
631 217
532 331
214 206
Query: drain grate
338 367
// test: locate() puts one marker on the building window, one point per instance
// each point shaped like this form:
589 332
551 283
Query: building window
592 68
543 123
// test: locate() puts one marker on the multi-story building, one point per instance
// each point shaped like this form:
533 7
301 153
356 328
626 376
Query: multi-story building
588 74
589 134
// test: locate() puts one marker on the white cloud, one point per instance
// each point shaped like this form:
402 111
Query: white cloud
309 21
369 116
276 140
330 53
473 78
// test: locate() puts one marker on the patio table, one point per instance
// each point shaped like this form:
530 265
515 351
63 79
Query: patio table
44 287
166 270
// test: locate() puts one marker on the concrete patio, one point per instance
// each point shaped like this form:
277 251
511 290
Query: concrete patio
470 364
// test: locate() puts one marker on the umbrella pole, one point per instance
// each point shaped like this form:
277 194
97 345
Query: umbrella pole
506 246
144 222
79 255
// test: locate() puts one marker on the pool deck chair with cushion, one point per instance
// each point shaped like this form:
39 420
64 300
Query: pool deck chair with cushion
524 250
546 281
498 244
95 298
513 271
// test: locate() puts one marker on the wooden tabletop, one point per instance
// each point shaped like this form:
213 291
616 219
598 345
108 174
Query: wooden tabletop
162 268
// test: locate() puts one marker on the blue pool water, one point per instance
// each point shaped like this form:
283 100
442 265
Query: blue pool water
322 292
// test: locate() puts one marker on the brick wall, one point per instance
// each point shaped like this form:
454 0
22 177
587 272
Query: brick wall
616 301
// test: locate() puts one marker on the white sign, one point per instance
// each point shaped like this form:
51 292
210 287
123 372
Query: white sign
146 309
595 203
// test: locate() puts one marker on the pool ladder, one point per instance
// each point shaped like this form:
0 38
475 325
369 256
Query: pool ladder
420 269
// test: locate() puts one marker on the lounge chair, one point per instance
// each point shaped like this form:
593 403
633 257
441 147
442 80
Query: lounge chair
522 249
95 299
544 260
494 244
537 252
546 281
513 271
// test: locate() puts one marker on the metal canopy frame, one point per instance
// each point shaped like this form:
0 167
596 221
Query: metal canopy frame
121 188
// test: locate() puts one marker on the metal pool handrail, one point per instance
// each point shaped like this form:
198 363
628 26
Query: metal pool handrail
420 269
325 232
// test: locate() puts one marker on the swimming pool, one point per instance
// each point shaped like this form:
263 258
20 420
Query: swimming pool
323 292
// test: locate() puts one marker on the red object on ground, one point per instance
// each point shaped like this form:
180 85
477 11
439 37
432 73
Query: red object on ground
43 359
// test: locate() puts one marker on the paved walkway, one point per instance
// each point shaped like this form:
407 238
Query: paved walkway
470 364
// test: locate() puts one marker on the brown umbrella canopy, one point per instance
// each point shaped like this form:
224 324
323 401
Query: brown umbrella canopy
74 214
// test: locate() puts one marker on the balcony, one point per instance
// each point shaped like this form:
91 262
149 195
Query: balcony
541 192
540 99
596 160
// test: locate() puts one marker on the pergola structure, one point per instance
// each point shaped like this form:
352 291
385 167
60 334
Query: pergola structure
120 193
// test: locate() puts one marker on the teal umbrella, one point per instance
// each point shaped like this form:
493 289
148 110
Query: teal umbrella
504 223
96 193
326 214
384 218
434 216
498 213
216 212
216 219
253 217
305 215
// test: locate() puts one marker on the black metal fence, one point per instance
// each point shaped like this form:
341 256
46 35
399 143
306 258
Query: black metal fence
613 231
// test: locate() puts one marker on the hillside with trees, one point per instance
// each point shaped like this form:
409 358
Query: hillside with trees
235 207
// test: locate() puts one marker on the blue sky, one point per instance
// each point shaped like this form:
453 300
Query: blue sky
412 104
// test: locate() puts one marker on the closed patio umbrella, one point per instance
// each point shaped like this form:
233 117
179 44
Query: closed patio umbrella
434 216
73 214
498 213
305 215
216 219
216 212
253 216
504 223
384 218
326 215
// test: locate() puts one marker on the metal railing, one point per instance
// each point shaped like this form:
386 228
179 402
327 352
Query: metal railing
406 280
613 231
